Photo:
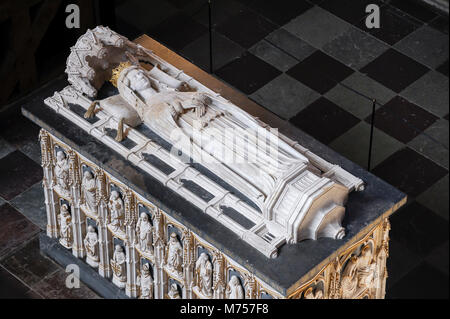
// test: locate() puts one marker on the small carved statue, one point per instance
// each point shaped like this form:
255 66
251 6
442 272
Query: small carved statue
234 289
144 231
62 171
89 190
116 209
65 227
366 268
203 269
118 265
173 292
145 282
174 254
349 281
91 246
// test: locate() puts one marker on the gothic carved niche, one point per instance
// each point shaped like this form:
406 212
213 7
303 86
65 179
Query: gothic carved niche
117 212
118 265
65 227
204 272
62 172
89 192
234 289
91 246
144 234
145 283
174 255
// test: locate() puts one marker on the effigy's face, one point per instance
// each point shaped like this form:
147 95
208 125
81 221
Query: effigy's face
138 80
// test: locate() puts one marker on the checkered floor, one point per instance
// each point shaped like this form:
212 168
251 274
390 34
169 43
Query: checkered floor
315 64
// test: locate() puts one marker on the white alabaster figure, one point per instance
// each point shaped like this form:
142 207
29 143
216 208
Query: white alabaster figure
173 292
145 283
118 265
366 268
234 289
62 171
65 226
174 253
203 269
117 213
175 114
144 234
349 282
91 246
89 191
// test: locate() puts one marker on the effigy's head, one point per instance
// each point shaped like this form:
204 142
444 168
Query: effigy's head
132 76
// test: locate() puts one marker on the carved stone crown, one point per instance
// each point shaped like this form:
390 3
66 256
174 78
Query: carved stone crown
116 72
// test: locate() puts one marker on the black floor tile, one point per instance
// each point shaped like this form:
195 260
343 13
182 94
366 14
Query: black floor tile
248 73
402 119
280 11
54 287
423 282
401 260
351 11
12 288
178 31
394 70
409 171
246 28
443 68
414 9
419 229
18 172
15 229
183 3
440 23
393 27
324 120
28 264
21 133
320 72
221 10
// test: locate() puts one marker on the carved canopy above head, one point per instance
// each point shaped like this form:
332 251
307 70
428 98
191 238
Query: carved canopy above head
95 54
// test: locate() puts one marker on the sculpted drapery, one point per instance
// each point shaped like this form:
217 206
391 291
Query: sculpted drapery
182 116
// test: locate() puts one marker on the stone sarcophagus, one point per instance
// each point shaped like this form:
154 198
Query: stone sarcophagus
169 189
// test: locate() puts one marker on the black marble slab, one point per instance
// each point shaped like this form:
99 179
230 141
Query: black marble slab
294 264
88 275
